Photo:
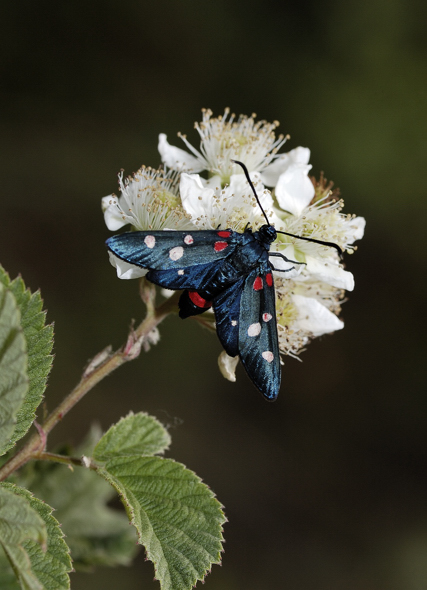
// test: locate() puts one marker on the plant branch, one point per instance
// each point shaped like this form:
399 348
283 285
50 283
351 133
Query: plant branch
70 461
100 367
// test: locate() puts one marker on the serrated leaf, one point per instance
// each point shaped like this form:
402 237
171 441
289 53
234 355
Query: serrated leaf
177 517
21 565
95 533
20 524
51 567
13 366
18 520
136 434
39 339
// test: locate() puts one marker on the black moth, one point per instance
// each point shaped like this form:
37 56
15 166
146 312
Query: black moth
226 270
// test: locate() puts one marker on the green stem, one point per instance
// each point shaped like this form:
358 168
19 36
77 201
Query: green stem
62 459
34 448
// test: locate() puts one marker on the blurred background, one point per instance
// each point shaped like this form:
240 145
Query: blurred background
326 488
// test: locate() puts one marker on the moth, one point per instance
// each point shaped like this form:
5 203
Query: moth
227 270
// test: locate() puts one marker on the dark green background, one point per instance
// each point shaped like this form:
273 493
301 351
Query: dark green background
326 488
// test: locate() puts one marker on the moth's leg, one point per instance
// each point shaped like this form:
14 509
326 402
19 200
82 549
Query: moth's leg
281 269
284 258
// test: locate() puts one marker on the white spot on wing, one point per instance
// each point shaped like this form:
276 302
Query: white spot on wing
188 239
268 356
266 317
233 323
254 329
176 253
181 272
150 241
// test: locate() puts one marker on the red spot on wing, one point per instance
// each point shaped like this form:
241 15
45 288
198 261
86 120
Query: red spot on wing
224 234
220 246
269 279
198 300
258 284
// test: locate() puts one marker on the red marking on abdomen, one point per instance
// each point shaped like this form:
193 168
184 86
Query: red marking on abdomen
199 301
269 279
258 284
220 246
224 234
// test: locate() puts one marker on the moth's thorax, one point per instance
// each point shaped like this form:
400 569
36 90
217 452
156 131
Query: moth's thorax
267 234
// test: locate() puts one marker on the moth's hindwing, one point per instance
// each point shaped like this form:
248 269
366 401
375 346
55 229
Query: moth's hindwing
192 277
258 339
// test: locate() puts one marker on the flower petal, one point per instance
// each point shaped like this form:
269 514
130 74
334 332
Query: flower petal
239 186
176 158
294 190
271 173
212 182
126 270
113 217
314 317
356 229
196 199
329 271
227 365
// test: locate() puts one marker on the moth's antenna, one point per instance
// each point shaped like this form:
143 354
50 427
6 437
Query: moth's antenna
248 178
329 244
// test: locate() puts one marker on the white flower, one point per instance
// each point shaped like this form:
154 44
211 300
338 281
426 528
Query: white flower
323 221
310 279
223 139
148 200
305 310
233 206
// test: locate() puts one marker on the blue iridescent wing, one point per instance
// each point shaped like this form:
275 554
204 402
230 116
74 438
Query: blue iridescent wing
258 338
176 259
227 314
246 325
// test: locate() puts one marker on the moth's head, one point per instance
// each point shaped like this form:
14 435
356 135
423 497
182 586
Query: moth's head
267 233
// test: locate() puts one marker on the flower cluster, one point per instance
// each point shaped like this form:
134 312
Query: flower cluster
205 189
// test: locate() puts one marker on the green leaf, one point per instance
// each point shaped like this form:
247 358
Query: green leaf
18 520
8 580
177 517
39 338
51 567
138 434
95 533
21 564
13 366
20 525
